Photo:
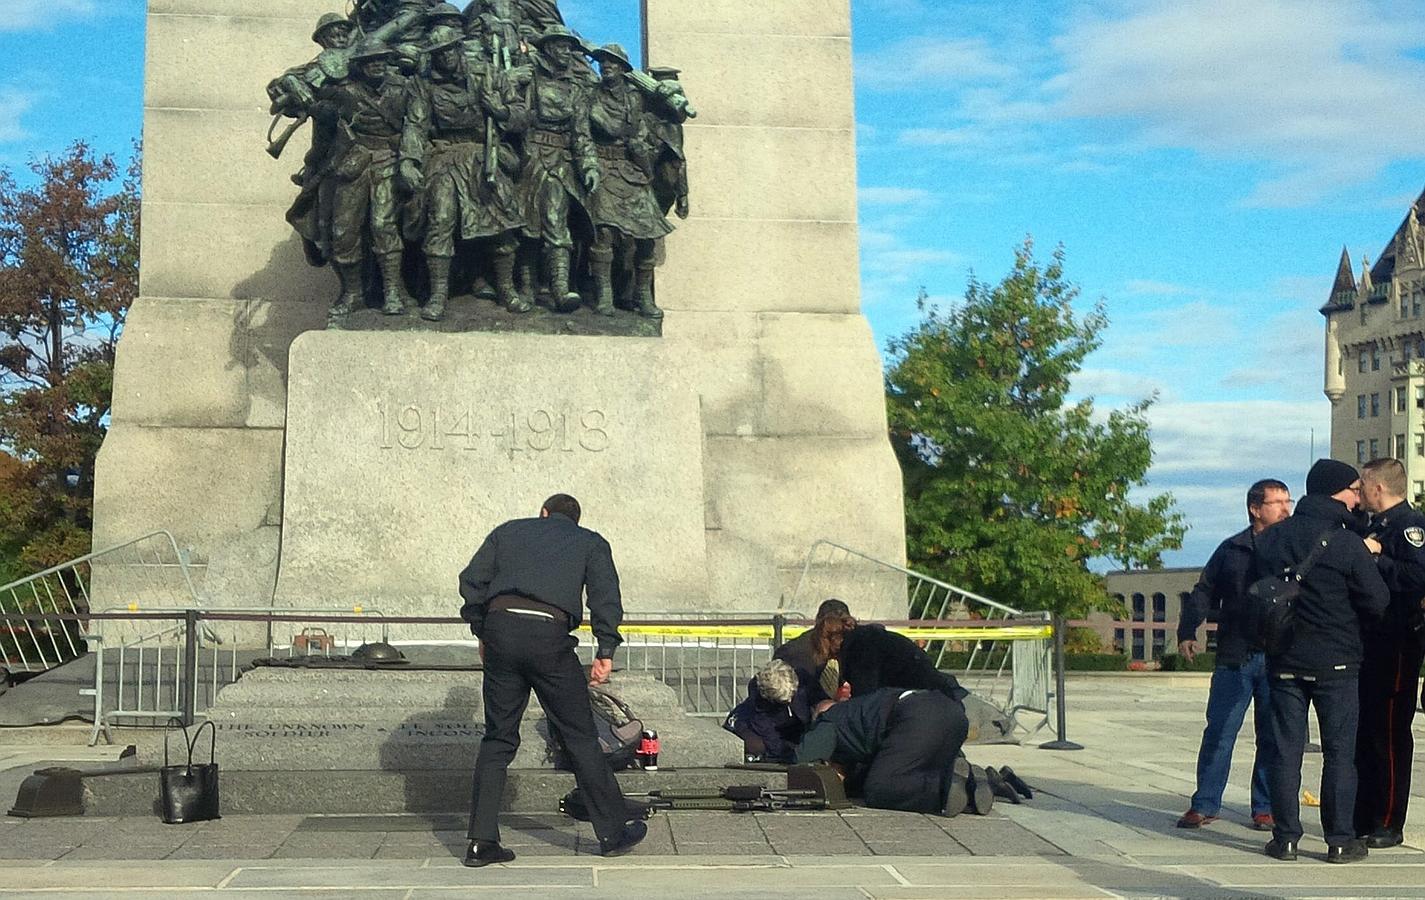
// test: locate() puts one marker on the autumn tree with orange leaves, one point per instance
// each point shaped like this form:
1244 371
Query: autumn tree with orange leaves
68 272
1011 489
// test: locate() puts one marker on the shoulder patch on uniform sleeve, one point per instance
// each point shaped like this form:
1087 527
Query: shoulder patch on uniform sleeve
1415 536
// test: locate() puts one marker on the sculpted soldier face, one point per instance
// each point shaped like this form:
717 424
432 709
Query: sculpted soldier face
559 53
338 37
611 69
372 69
448 59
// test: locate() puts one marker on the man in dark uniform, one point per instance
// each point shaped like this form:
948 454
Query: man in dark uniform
1319 666
873 658
897 748
523 595
1390 672
1240 676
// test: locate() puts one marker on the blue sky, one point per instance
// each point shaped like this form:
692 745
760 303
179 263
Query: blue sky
1201 161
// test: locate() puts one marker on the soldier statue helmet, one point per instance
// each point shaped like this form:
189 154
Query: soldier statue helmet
613 51
445 15
329 21
664 73
366 54
558 33
443 37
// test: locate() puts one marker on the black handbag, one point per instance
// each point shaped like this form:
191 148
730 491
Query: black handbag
189 793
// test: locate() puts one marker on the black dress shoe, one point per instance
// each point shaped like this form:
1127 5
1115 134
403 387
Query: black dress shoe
1349 852
1001 788
957 796
633 832
1284 850
484 853
1016 782
982 796
1382 838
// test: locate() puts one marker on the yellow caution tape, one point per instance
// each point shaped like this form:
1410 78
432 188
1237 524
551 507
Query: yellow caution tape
765 632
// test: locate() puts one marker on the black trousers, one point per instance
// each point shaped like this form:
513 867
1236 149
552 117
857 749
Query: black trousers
1337 706
1385 749
524 653
911 769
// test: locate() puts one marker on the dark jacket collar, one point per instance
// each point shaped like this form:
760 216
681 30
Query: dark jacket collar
1321 506
1396 510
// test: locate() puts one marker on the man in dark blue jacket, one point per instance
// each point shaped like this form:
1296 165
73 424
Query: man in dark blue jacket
524 594
1319 666
1390 672
1240 676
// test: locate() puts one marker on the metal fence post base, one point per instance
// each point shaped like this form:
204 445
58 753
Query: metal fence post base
1063 742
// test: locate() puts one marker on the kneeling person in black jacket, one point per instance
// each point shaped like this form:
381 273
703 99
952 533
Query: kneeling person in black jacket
1319 666
897 748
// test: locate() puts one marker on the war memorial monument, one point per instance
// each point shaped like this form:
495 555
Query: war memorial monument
329 390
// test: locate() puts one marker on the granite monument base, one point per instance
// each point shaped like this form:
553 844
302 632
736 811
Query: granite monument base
307 720
405 449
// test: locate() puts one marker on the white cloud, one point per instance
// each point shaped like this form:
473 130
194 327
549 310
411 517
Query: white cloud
894 196
1140 287
22 15
1096 382
1208 453
931 63
1325 92
13 106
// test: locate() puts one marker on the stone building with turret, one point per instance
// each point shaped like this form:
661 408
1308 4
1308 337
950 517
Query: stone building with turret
1375 354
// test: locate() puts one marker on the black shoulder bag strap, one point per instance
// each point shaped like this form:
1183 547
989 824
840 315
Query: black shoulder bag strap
1303 568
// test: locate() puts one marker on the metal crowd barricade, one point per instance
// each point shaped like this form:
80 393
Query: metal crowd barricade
151 567
177 670
1010 668
707 661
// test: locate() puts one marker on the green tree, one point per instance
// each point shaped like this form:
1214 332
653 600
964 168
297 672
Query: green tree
1010 488
68 272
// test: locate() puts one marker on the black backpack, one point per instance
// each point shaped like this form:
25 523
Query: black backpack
1271 601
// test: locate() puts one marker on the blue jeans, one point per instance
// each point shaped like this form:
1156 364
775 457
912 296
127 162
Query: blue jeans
1233 688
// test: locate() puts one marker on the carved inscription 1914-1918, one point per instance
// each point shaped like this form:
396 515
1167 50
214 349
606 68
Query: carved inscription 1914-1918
454 426
481 149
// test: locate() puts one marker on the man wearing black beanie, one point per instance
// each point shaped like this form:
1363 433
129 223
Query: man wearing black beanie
1320 664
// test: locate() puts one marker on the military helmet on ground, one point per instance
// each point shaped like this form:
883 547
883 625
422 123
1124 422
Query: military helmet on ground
378 652
613 51
443 36
328 21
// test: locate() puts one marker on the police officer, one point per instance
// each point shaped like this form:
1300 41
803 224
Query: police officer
1240 677
523 593
1320 664
1390 672
896 747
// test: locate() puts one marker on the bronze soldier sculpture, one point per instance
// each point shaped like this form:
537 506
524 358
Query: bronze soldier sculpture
561 168
665 123
371 110
506 153
623 204
443 156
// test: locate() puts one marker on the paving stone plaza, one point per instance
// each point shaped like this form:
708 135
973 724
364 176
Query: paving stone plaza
1102 825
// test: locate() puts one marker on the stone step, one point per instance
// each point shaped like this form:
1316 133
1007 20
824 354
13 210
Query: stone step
133 792
308 720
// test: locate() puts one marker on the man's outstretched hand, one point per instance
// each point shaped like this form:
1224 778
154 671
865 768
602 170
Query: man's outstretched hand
599 671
